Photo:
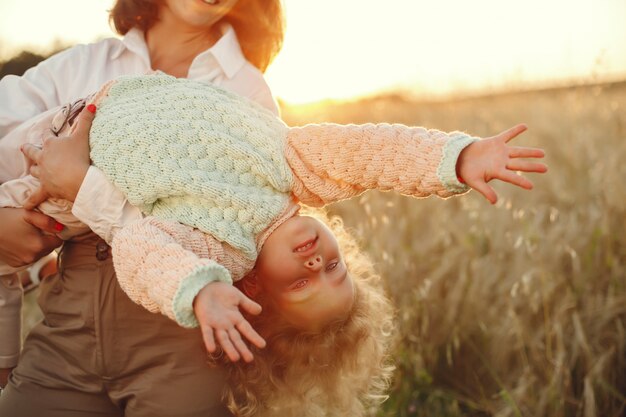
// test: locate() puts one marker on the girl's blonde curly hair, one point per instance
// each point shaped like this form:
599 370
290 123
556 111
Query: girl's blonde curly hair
344 370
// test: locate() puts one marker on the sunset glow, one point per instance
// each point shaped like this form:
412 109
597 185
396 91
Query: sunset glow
342 49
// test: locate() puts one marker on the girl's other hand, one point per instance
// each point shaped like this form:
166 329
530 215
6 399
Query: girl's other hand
492 158
217 308
26 236
62 163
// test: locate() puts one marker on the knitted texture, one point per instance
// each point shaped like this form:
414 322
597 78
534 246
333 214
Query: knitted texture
194 153
162 265
204 158
333 162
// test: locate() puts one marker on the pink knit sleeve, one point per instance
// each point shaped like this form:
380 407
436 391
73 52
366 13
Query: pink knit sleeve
162 265
332 162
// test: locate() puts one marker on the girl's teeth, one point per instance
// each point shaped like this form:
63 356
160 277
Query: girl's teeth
213 2
305 247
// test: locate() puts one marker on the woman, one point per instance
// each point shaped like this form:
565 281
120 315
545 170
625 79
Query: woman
95 352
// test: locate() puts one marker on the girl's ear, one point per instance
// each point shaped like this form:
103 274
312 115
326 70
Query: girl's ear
250 285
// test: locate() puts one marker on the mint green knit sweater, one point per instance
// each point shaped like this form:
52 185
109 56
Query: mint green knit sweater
189 153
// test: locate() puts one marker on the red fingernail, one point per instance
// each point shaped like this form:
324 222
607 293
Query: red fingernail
58 227
460 180
91 108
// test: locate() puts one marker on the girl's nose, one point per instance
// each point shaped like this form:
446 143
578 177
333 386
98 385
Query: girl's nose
314 263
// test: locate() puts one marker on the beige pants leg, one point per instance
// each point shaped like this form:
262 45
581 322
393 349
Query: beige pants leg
10 319
98 353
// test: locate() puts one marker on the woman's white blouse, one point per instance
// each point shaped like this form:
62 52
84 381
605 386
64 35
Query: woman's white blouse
80 71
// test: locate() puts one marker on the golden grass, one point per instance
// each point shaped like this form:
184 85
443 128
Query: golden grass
517 309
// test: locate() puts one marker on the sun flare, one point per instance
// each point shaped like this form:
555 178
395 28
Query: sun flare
344 49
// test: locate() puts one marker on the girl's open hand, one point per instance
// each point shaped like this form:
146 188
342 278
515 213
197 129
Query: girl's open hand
217 309
492 158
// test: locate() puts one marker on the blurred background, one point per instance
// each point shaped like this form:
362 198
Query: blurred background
517 309
351 48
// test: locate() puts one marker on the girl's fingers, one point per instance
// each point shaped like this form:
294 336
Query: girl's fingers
513 178
241 347
485 190
523 152
224 339
209 340
509 134
526 166
249 333
250 306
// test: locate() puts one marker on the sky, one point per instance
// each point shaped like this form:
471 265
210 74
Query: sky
341 49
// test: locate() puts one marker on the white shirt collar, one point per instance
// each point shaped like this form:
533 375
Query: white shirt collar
135 42
226 52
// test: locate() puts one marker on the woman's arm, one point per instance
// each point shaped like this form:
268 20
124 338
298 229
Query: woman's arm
60 79
62 166
26 236
37 90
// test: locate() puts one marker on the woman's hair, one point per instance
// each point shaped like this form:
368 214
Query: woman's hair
343 370
259 24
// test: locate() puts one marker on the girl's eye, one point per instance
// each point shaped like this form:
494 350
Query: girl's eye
332 265
300 284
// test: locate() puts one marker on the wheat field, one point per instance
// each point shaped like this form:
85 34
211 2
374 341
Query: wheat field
517 309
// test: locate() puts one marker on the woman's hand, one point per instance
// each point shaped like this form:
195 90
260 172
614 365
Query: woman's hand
492 158
62 163
26 236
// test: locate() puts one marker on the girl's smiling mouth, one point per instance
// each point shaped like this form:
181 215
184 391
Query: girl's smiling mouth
307 246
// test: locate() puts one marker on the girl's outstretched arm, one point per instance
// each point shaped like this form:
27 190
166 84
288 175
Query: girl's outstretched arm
332 162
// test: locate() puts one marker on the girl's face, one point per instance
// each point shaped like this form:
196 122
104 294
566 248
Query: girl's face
197 13
301 269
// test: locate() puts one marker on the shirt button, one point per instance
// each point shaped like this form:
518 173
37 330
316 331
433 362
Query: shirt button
102 251
10 282
56 288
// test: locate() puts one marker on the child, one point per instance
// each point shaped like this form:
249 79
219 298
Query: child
220 179
340 370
